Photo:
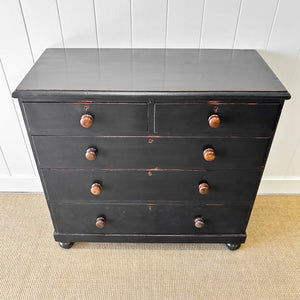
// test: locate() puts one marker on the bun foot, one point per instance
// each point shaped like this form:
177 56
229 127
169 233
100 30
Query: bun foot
233 247
66 245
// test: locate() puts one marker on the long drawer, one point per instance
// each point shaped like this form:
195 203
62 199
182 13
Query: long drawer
108 118
148 219
244 119
148 153
225 187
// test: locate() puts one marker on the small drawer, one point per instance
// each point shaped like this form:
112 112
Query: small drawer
106 118
148 219
243 119
148 153
222 187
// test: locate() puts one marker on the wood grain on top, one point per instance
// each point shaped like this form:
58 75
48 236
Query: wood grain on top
204 71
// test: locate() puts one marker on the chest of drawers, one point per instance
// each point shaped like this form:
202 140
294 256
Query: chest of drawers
150 145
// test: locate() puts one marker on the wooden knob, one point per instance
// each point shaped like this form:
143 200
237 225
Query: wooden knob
86 121
203 188
96 189
209 154
100 222
214 121
199 222
91 154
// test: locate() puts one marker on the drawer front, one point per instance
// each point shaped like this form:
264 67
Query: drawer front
148 219
250 119
225 187
148 153
108 119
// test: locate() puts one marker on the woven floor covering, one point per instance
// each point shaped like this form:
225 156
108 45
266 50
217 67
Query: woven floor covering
33 266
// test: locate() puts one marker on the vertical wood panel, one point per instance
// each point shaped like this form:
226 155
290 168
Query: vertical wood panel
255 23
142 23
219 23
4 172
281 55
42 24
149 23
293 166
284 40
113 23
78 23
15 51
184 23
16 60
11 138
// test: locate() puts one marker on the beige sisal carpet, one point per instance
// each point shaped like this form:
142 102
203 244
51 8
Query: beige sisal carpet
33 266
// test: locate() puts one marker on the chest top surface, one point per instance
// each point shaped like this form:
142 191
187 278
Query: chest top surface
200 71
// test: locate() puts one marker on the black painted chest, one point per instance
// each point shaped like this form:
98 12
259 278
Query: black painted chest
150 145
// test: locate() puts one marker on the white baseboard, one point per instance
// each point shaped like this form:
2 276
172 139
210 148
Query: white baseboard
273 185
279 185
20 184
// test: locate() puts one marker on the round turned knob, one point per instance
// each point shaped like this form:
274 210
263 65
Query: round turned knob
91 154
199 222
209 154
100 222
96 189
214 121
203 188
86 121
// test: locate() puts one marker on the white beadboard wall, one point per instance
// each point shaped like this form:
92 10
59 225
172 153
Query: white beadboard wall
27 27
